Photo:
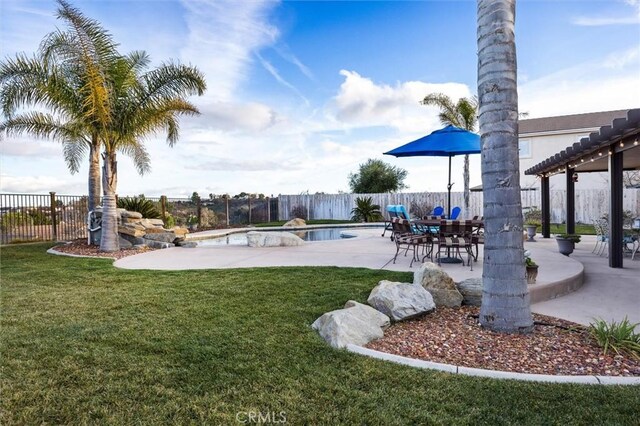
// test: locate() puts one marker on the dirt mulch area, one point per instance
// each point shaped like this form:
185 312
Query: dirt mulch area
454 336
80 247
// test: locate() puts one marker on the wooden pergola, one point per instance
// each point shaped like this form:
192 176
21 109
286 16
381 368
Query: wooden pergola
612 149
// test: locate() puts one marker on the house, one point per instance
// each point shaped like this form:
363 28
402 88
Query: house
541 138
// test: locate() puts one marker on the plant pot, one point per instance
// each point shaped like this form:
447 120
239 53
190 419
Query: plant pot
565 246
532 274
531 232
193 227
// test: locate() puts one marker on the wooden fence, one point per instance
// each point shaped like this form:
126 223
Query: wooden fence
590 204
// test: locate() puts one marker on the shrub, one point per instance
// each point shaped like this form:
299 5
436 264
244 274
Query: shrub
365 210
18 218
208 218
299 212
533 217
619 336
141 205
38 217
421 210
169 221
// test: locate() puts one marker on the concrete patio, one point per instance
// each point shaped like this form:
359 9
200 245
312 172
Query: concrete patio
605 292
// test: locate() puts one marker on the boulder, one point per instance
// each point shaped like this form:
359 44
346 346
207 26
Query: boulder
157 244
164 237
356 324
273 239
186 244
124 243
154 230
131 215
152 223
401 301
180 231
437 282
136 241
130 231
294 223
471 290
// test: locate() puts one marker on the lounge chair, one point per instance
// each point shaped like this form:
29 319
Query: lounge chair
391 211
455 213
438 211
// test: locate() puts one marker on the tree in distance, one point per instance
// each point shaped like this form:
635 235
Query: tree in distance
376 176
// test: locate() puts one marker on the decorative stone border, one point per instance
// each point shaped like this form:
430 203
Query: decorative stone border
494 374
60 253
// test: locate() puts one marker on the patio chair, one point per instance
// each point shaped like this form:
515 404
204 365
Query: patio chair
405 237
438 211
402 212
454 235
391 211
455 213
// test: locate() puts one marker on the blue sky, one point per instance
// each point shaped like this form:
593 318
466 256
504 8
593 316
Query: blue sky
300 93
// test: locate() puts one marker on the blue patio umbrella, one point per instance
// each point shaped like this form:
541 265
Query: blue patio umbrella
447 142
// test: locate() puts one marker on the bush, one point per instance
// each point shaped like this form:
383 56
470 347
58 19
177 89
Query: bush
619 336
299 212
365 210
533 217
38 217
421 210
169 221
208 218
141 205
11 219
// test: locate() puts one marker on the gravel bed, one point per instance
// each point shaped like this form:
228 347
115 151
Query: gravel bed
454 336
80 247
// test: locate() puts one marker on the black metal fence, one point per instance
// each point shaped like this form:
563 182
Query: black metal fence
27 217
52 217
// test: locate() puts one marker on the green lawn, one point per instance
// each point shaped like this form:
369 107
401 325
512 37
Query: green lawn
83 342
581 229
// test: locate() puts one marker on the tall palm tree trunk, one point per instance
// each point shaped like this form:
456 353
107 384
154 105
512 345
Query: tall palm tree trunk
465 178
109 241
505 298
94 176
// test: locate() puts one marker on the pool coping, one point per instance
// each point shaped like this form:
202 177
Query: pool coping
493 374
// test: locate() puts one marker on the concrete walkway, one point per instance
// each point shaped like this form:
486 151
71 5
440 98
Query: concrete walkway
607 293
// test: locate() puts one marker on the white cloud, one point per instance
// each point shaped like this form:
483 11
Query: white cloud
232 116
22 148
35 184
275 74
603 84
362 102
597 21
222 36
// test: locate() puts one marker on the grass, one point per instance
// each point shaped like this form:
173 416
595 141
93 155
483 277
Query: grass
581 229
619 336
83 342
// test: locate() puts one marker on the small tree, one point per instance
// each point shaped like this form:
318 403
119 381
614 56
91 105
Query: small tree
376 176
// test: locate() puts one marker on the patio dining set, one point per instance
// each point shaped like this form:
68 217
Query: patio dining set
435 236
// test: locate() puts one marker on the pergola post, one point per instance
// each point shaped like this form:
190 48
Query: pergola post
615 209
571 200
546 207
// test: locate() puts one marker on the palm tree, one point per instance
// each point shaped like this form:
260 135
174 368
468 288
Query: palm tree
63 77
505 298
462 114
141 103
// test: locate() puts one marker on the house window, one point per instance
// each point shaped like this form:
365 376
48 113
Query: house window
524 148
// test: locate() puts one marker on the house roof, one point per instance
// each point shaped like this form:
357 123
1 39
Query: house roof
624 129
569 122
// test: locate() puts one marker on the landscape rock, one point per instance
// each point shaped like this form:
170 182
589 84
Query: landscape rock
180 231
165 237
186 244
471 290
356 324
437 282
401 301
136 241
273 239
131 215
124 243
294 223
131 231
158 244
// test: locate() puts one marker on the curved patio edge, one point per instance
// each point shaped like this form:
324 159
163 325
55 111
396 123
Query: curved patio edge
493 374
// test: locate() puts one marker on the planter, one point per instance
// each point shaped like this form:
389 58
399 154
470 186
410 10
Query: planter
193 227
565 245
531 232
532 274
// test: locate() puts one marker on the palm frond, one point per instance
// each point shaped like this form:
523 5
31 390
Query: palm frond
74 153
138 153
448 113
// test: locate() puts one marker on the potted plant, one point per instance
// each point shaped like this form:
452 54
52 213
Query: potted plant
531 226
532 219
531 267
192 222
567 242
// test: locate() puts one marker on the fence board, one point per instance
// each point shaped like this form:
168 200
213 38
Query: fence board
590 204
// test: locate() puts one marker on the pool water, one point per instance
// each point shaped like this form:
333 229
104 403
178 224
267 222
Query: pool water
240 239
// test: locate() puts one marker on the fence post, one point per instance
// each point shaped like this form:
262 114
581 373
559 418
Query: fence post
249 209
54 225
163 206
226 199
198 209
268 209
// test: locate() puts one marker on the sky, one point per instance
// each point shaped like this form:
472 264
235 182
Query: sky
300 93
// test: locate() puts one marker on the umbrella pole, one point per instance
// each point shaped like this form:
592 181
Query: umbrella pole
449 185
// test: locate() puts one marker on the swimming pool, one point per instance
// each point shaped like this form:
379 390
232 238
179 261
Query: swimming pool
319 234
